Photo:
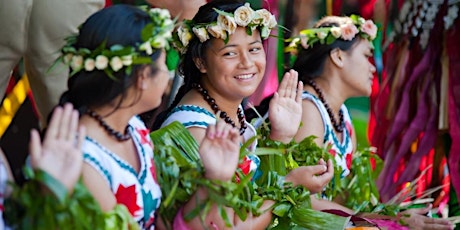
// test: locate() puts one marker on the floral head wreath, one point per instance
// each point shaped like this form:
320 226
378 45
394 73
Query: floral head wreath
327 35
225 26
156 35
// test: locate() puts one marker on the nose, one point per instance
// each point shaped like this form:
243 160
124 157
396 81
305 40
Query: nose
246 60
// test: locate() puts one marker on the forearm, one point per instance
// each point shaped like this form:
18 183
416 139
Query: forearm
320 204
213 217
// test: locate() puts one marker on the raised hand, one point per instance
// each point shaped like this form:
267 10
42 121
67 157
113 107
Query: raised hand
285 109
219 151
314 177
60 153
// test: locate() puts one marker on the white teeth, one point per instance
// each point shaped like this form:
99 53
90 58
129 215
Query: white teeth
246 76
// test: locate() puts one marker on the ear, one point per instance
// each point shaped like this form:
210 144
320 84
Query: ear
199 63
337 56
142 76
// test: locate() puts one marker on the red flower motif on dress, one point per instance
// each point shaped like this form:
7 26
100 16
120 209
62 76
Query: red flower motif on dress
332 152
348 159
128 197
145 136
153 171
245 166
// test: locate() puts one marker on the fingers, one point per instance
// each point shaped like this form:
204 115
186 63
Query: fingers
65 123
221 130
289 85
73 126
435 223
234 135
35 147
81 136
317 169
53 127
330 167
321 162
298 98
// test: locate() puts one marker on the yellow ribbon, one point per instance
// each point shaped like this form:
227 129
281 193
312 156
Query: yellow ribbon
12 103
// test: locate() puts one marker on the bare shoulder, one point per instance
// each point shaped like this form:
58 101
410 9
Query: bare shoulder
312 123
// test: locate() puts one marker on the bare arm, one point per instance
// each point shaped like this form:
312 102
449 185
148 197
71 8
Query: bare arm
98 188
312 123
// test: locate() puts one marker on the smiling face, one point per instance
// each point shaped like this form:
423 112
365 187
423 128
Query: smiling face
358 69
234 70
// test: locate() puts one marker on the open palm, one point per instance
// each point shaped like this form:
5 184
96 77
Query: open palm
60 153
220 150
285 109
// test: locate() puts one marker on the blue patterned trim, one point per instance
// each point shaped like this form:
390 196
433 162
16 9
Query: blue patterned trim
115 158
192 108
195 123
95 163
342 147
142 158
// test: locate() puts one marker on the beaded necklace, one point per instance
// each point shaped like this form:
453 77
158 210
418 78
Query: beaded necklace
117 135
223 115
337 126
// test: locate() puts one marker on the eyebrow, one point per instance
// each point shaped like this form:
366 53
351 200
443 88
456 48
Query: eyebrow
234 45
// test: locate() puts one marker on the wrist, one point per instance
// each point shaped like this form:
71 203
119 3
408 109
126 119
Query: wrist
281 138
48 182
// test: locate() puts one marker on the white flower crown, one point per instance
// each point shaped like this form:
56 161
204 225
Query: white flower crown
226 25
327 35
156 35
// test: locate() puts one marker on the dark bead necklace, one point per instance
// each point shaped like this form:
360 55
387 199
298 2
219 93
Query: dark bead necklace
117 135
223 115
337 126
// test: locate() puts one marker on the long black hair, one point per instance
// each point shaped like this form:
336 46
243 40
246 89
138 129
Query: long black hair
114 25
196 50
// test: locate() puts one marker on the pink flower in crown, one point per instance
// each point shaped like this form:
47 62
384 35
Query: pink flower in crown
349 31
369 28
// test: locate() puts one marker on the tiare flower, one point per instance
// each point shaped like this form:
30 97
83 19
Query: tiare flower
227 23
336 32
116 63
155 35
244 15
201 33
90 64
217 31
101 62
184 35
76 62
